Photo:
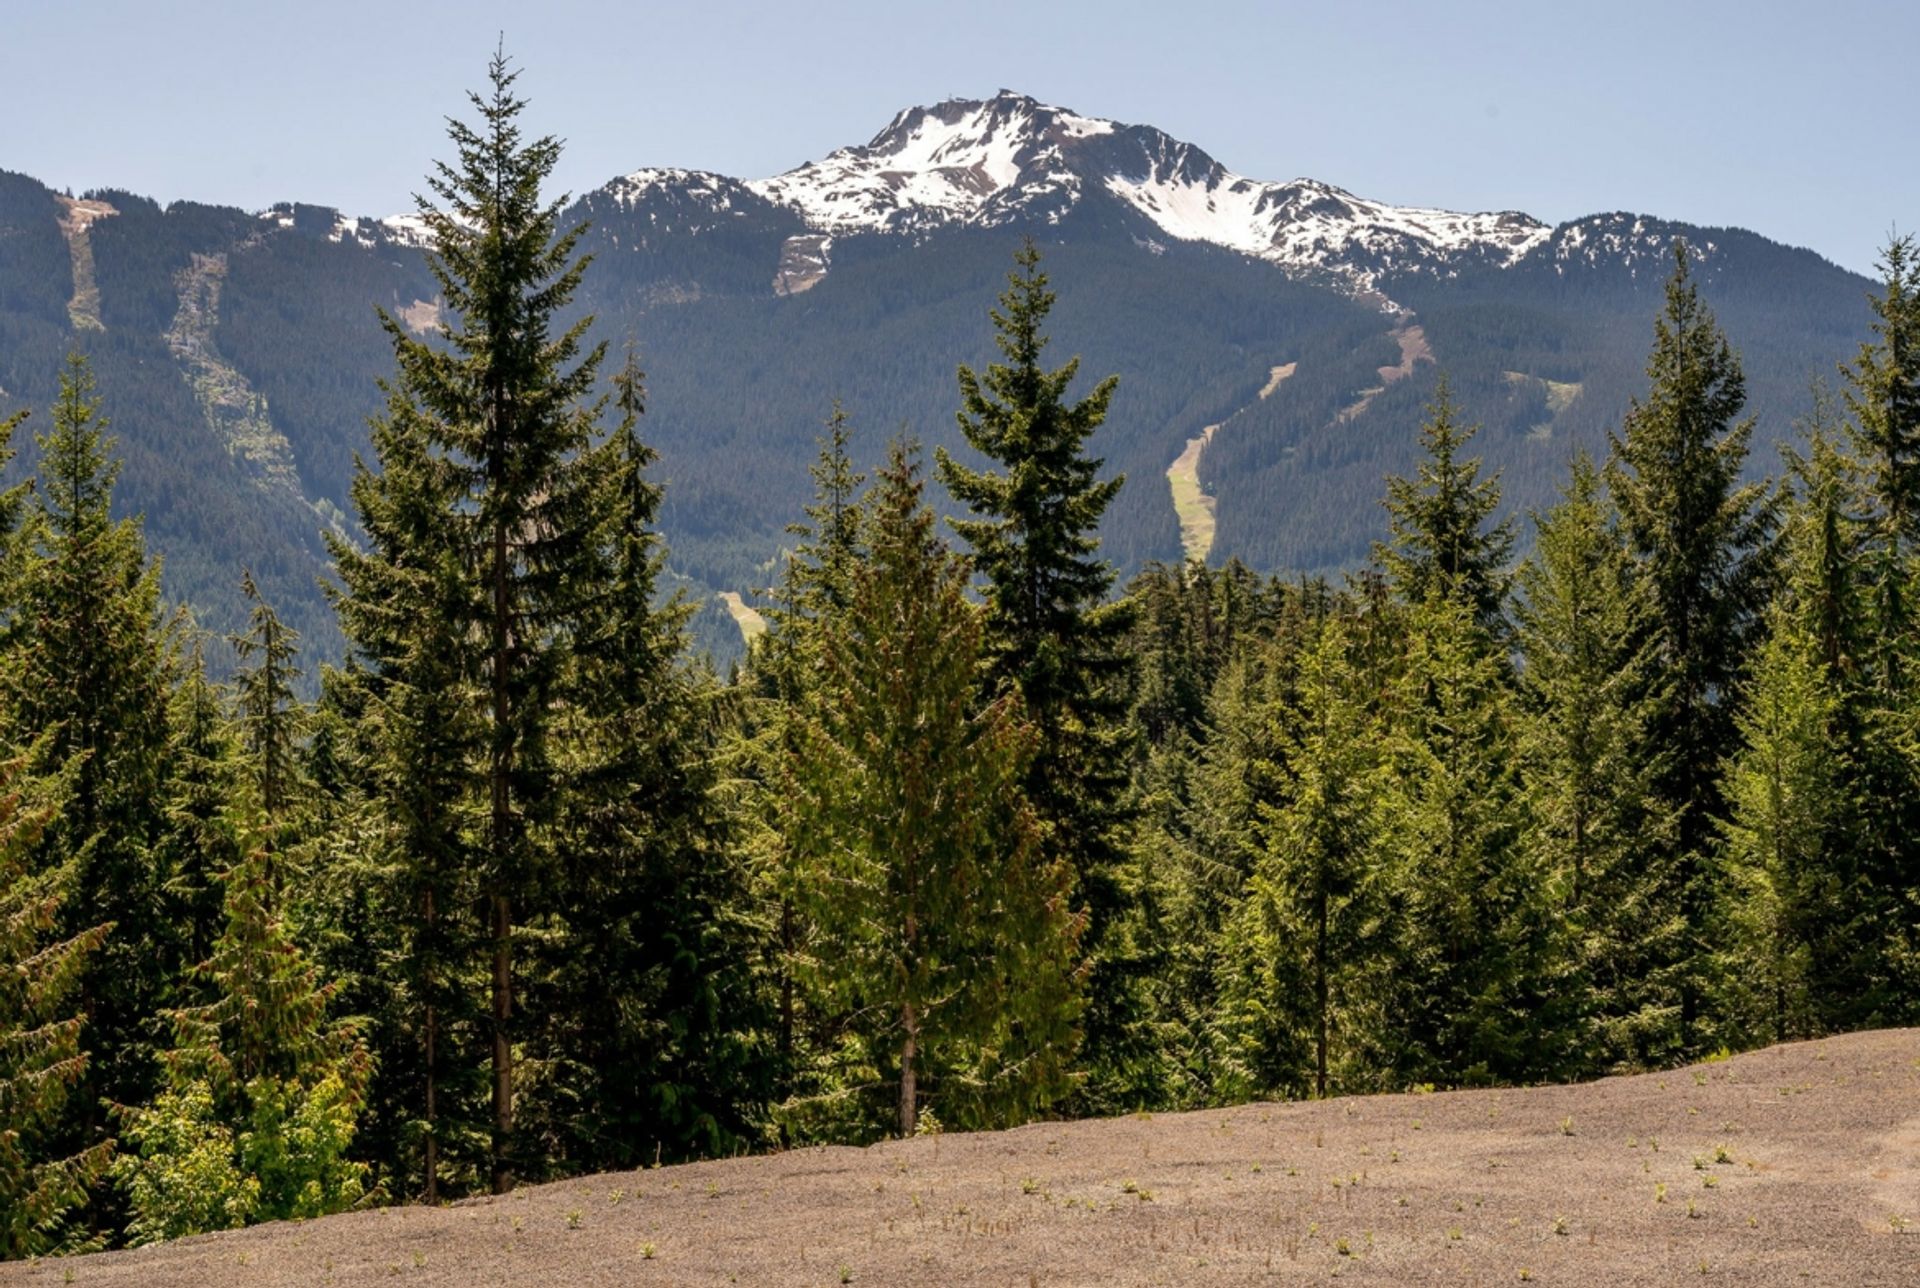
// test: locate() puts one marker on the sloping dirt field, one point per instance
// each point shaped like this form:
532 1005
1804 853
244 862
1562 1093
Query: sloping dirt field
1796 1165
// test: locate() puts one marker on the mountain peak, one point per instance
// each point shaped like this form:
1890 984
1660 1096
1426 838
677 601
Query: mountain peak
966 162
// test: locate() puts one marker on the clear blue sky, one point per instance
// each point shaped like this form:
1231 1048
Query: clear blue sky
1795 119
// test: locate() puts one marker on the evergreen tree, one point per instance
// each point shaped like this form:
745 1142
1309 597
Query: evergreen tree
270 711
1441 541
1786 788
1474 937
1050 635
415 712
1597 834
198 844
645 994
945 934
1703 542
42 1057
501 407
1883 395
1304 957
814 585
87 670
262 1093
821 567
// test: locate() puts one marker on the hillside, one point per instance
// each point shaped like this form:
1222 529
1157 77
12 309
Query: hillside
1793 1165
238 351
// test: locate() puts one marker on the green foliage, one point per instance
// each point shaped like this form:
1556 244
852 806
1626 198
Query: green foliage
1306 974
1598 832
945 937
1703 541
1785 789
86 670
1442 542
42 1060
1475 912
1050 638
262 1090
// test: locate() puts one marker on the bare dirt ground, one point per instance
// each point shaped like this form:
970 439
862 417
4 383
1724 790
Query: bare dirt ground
1795 1165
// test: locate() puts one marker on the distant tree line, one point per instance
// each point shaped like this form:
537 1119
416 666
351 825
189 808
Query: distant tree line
969 839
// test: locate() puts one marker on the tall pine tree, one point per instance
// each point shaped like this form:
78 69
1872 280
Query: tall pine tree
1597 833
945 930
87 669
1703 541
43 1059
502 412
1051 636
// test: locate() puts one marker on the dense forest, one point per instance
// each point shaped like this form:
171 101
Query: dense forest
975 834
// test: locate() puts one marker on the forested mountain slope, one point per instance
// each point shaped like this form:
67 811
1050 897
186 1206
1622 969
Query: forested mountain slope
239 353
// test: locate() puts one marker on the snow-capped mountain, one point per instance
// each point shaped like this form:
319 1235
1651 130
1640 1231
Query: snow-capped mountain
1303 323
984 163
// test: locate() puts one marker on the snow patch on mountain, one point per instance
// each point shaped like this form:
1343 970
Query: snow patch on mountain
982 163
959 162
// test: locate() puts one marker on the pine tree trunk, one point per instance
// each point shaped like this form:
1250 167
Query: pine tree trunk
1320 992
909 1093
432 1160
502 827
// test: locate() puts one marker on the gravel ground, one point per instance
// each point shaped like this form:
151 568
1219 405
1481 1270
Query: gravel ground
1795 1165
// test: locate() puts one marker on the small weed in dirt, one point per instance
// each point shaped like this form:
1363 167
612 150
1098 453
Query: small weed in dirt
1566 1125
1693 1213
1710 1181
1525 1274
1560 1225
846 1274
1660 1192
1342 1247
616 1196
1029 1186
1721 1154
